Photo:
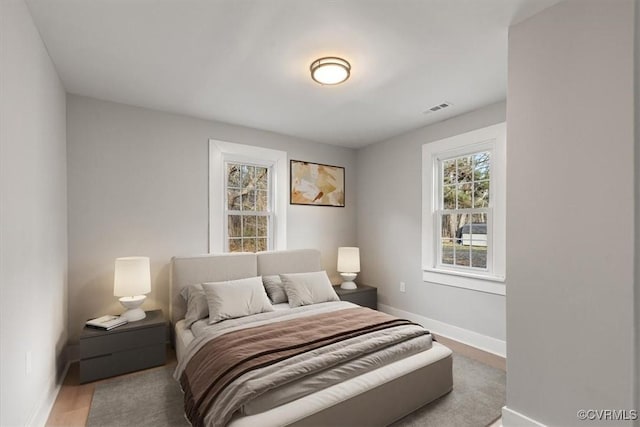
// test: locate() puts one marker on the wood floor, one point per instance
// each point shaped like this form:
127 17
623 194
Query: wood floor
71 408
473 353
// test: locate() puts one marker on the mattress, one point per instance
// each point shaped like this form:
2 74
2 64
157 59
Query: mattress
305 407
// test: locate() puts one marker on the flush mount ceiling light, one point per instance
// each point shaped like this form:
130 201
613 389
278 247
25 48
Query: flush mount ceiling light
330 70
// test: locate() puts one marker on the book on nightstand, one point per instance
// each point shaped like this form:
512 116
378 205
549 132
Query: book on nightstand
107 322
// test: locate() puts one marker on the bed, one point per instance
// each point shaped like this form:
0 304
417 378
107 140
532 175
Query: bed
406 371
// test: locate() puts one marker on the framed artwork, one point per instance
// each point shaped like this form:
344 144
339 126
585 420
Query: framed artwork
316 184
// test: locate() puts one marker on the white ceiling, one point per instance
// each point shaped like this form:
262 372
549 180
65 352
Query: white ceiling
247 61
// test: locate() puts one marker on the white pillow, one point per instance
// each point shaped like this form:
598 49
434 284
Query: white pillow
236 298
308 288
197 306
274 288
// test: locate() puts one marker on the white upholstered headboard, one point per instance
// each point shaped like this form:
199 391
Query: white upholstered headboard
187 271
294 261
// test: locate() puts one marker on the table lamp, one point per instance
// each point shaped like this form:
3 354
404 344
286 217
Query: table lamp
348 266
131 281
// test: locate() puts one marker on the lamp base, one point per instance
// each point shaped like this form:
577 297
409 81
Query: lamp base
132 304
348 281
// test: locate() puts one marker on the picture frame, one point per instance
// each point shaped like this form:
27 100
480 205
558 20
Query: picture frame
316 184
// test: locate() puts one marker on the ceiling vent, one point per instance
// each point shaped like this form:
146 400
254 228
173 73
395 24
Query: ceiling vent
438 107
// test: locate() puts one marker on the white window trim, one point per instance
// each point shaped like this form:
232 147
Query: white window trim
493 137
221 152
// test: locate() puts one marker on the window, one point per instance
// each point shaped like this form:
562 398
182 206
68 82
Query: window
248 207
247 198
464 210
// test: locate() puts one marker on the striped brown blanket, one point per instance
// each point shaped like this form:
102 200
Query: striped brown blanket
225 359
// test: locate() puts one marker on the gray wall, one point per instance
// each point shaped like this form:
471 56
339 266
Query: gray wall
570 211
138 185
390 223
33 220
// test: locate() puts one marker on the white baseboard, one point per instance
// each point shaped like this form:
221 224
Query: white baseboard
465 336
41 414
511 418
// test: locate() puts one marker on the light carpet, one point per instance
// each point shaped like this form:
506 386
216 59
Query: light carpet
154 398
477 398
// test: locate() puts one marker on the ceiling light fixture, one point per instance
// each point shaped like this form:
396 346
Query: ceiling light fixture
330 70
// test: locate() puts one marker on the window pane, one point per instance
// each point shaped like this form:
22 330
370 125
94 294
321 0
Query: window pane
449 226
449 172
478 240
465 169
249 245
482 166
449 197
481 194
478 231
464 195
479 256
463 227
249 200
262 178
262 223
447 251
235 245
466 230
233 175
261 201
248 175
479 221
234 225
233 199
261 245
462 254
249 226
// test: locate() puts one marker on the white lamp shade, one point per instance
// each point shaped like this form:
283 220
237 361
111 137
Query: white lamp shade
349 260
132 276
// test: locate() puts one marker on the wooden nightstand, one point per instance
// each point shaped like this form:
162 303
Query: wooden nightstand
366 296
127 348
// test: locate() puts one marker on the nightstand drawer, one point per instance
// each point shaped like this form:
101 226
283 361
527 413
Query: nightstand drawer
363 295
125 340
108 365
365 299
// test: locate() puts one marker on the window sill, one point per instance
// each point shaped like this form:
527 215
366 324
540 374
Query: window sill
482 283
